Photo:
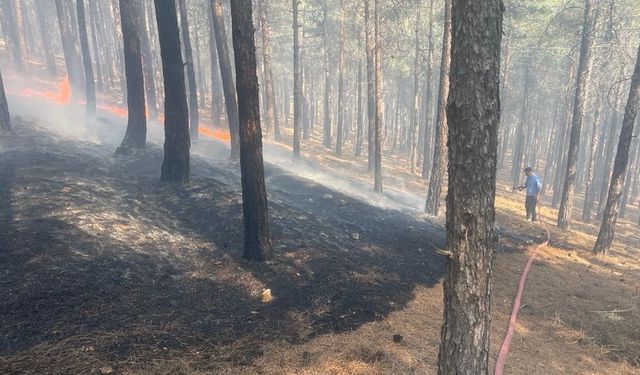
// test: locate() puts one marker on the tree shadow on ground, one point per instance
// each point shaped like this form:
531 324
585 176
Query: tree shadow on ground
102 262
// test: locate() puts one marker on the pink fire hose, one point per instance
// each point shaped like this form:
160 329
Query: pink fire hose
504 350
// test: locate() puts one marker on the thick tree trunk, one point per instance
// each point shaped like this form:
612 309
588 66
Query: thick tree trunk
5 117
582 86
377 185
297 84
175 166
610 214
432 205
271 115
473 114
90 84
136 134
194 120
257 242
228 86
147 61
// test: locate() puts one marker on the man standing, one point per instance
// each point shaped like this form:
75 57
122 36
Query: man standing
533 186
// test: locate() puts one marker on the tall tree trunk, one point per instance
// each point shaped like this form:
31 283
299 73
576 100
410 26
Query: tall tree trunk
582 86
69 45
371 92
610 214
360 118
175 166
136 135
520 143
90 84
416 102
147 60
216 82
297 84
609 149
194 120
326 137
271 115
377 185
100 79
45 34
5 117
428 99
340 135
11 31
228 86
257 242
589 195
558 179
473 114
432 205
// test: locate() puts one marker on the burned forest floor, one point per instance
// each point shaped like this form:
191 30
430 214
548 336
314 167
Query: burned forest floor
105 270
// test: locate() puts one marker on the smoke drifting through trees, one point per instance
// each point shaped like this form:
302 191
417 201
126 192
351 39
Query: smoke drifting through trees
364 83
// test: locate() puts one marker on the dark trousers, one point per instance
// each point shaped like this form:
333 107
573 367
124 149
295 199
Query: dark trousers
530 205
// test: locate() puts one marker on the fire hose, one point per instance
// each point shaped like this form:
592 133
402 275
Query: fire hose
504 350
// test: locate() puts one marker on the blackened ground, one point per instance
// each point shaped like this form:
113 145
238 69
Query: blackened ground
101 264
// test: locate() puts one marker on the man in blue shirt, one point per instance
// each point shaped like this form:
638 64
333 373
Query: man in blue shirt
533 186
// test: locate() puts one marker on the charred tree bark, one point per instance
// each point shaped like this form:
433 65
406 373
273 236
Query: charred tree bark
228 86
432 205
194 120
271 115
175 166
566 204
474 118
5 117
377 185
136 134
610 214
257 241
90 84
297 84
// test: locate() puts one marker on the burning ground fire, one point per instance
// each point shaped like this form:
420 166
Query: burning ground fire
63 97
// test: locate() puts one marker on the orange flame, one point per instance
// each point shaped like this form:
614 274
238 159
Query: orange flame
219 134
63 96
